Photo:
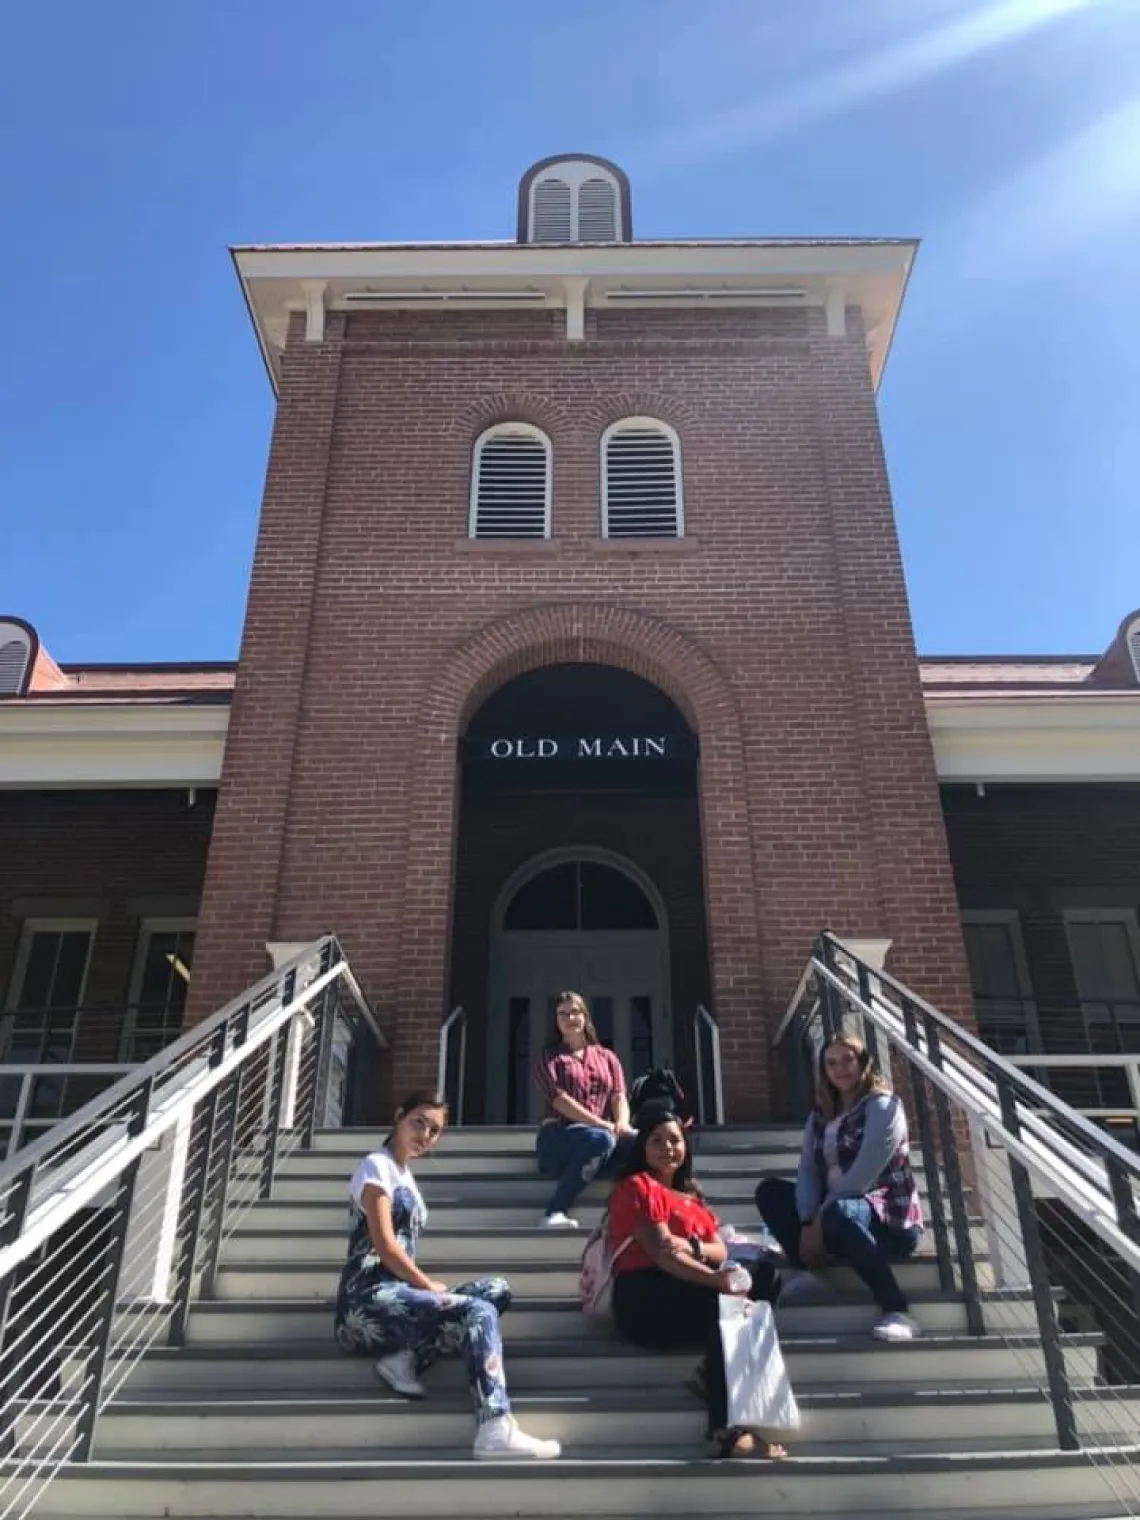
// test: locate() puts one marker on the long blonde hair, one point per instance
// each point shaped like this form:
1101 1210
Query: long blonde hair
579 1003
827 1099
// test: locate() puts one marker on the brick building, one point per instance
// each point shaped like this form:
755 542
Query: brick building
577 653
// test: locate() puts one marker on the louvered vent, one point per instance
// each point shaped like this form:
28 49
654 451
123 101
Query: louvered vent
551 218
597 212
642 483
511 492
1134 647
15 652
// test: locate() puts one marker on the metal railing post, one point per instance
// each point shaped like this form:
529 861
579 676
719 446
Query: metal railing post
870 1033
830 1014
1125 1201
232 1106
1060 1394
920 1087
196 1193
113 1271
318 1087
952 1165
276 1075
15 1212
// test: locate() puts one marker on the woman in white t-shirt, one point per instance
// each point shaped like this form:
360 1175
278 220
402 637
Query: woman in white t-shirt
386 1306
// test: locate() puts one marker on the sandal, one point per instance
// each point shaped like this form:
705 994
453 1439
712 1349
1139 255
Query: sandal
735 1442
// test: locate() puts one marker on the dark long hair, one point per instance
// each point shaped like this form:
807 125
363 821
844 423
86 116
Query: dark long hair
650 1118
423 1097
580 1003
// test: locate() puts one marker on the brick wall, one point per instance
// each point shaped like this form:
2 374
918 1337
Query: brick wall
779 626
115 856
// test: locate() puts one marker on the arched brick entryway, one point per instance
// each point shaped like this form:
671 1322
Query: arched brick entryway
607 635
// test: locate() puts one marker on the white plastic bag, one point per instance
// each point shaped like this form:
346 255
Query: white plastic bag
760 1397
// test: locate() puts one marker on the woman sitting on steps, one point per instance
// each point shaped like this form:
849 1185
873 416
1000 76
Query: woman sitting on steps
669 1277
387 1307
854 1199
585 1131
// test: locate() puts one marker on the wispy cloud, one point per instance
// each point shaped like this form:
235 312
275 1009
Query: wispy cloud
892 68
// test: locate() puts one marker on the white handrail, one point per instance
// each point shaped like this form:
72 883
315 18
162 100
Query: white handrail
1078 1180
458 1016
703 1016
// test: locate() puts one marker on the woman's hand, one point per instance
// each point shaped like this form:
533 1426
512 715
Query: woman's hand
436 1287
812 1252
723 1278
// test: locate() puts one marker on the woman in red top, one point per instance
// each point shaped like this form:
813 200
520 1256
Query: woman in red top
667 1282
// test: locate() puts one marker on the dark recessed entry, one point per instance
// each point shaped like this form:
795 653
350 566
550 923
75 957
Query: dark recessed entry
580 894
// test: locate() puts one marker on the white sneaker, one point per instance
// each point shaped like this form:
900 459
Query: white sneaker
399 1371
896 1327
557 1222
501 1440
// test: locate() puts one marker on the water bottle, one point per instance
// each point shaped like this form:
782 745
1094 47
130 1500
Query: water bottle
739 1279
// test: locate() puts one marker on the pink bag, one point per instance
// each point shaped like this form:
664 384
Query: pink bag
596 1277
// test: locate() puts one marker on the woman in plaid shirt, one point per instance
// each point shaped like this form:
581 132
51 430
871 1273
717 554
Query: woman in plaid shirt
585 1130
854 1198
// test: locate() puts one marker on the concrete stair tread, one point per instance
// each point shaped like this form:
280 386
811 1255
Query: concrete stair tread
841 1343
451 1401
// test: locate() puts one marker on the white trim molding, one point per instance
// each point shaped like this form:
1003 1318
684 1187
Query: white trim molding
1082 736
64 744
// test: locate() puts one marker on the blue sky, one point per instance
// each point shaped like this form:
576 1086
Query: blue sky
138 140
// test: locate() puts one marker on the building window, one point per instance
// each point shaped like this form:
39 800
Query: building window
47 989
999 978
510 483
552 211
1132 639
1104 947
574 201
16 654
641 480
159 984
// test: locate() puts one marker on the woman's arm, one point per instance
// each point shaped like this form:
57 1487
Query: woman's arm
670 1254
577 1112
547 1083
809 1193
884 1130
619 1108
377 1208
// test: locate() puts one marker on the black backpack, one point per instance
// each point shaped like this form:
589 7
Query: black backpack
659 1089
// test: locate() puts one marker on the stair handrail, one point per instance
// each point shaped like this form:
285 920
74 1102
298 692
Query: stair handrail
1020 1143
110 1220
457 1017
705 1020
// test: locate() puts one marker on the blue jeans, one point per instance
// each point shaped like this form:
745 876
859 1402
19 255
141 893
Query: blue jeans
576 1154
852 1232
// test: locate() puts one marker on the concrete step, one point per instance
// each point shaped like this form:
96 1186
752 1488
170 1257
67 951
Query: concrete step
515 1189
529 1278
305 1321
518 1139
883 1423
574 1487
850 1364
330 1215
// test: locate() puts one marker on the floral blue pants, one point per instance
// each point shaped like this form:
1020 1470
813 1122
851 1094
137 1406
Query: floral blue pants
397 1317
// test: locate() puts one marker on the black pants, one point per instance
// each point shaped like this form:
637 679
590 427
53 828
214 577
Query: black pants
662 1313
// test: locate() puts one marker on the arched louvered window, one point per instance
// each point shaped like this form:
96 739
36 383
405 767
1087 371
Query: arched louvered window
641 480
15 659
510 483
552 212
575 202
1132 639
597 211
